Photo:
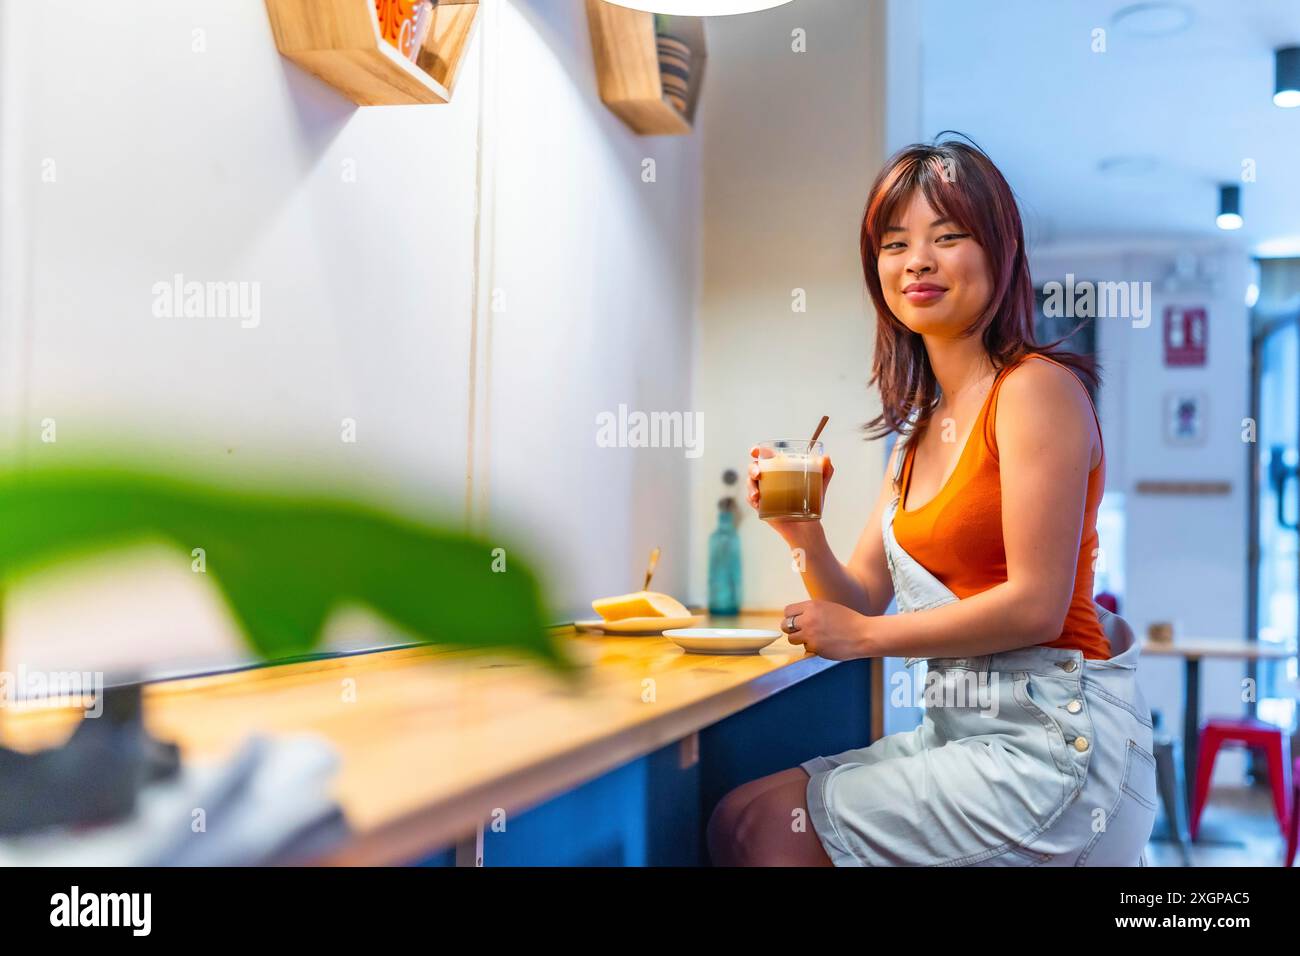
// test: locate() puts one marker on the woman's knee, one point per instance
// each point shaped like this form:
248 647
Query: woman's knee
765 823
729 827
773 829
721 827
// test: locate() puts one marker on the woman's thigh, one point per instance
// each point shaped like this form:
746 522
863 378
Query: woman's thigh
966 802
765 822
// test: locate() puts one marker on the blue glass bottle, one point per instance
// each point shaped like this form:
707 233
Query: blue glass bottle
724 562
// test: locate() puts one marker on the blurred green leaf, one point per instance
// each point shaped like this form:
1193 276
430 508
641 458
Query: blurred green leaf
284 562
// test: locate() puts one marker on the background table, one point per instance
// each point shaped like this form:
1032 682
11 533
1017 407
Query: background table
1193 650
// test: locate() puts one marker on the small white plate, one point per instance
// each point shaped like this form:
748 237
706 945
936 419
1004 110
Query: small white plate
637 625
721 640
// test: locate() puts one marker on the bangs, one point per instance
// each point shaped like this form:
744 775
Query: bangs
937 185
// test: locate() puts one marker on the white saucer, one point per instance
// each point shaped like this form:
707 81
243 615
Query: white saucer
721 640
637 625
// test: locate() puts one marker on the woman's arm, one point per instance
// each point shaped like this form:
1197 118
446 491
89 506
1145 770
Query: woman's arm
864 585
1044 434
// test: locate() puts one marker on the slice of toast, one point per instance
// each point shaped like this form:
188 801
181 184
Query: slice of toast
639 604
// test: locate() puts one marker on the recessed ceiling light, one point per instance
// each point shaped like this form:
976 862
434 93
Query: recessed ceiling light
1128 166
1156 19
700 8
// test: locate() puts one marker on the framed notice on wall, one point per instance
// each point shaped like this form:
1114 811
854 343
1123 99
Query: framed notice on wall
1186 330
1185 418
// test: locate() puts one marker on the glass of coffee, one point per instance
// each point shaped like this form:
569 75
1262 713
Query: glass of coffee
790 480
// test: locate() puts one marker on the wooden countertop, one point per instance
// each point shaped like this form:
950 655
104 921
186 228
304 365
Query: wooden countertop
436 739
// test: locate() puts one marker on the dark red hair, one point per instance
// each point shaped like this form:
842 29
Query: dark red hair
960 182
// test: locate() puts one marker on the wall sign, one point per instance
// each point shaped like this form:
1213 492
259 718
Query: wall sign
1185 418
1185 335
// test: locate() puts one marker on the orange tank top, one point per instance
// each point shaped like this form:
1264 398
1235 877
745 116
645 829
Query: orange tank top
957 536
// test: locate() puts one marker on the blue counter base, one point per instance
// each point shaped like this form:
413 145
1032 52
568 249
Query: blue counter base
653 812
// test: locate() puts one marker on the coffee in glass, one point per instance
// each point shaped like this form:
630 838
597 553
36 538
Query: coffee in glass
790 480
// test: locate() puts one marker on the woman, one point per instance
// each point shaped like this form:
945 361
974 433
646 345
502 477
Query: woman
1035 746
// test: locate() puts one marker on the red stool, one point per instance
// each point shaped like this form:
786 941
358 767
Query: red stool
1253 733
1293 832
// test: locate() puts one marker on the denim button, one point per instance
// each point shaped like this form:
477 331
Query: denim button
1068 667
1074 706
1081 744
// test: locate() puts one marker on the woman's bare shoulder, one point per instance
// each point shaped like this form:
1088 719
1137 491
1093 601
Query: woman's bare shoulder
1044 379
1042 396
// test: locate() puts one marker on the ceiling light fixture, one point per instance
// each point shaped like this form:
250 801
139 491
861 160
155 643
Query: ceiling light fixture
1129 166
1149 20
1229 207
1286 70
699 8
1279 247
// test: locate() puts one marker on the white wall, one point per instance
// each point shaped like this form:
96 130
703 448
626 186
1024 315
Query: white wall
599 270
231 163
904 62
791 142
1185 556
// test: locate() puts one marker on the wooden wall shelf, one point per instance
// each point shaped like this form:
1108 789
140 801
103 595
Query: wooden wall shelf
624 44
339 41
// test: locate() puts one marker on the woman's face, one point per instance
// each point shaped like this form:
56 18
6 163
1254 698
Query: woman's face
934 275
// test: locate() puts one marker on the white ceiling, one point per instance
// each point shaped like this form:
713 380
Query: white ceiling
1020 77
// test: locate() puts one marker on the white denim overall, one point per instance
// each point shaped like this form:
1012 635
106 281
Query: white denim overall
1031 757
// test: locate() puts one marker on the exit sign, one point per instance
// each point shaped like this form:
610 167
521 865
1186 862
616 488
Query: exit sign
1185 335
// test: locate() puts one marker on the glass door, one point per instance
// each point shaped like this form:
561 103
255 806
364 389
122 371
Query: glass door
1275 571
